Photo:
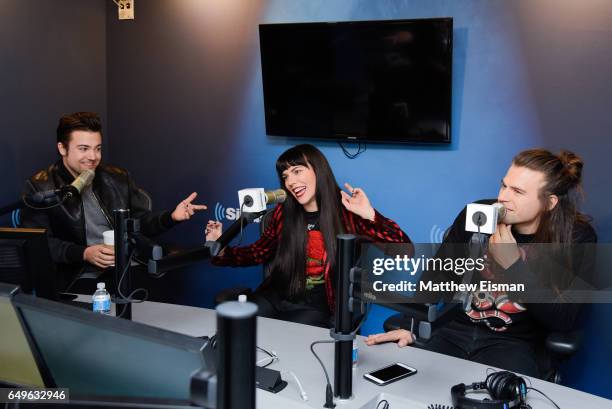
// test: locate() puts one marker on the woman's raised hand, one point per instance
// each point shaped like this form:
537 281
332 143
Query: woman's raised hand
357 202
213 230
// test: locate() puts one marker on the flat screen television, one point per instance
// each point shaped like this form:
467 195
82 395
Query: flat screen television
376 81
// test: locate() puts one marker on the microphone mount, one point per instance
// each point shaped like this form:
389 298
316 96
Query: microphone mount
209 250
40 198
255 200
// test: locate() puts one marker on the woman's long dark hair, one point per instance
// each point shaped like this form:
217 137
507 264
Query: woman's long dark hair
289 265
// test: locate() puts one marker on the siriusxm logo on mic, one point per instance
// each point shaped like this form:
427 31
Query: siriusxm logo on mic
226 213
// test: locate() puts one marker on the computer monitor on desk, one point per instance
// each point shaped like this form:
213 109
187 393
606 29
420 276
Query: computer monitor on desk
25 260
97 355
19 365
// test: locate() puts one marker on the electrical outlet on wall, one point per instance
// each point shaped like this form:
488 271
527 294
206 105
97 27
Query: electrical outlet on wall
126 9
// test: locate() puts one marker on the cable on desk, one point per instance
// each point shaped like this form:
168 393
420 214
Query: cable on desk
319 359
543 394
329 395
299 384
271 356
384 403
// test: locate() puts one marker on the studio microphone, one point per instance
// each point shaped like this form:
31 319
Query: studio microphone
501 211
483 218
275 196
67 191
255 200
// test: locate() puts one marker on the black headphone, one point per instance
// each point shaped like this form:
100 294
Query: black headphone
507 391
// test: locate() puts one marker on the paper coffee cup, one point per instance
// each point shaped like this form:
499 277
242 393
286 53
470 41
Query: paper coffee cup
109 237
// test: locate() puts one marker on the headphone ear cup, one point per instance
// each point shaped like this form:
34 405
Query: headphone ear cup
492 382
507 386
519 389
523 390
498 386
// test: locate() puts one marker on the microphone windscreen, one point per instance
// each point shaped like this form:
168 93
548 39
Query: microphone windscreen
276 196
84 180
501 211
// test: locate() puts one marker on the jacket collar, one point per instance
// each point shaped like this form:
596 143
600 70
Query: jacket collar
63 172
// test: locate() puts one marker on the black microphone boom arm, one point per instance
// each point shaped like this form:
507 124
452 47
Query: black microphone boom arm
234 229
209 250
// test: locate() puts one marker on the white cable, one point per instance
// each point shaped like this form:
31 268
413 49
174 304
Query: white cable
262 360
299 384
272 358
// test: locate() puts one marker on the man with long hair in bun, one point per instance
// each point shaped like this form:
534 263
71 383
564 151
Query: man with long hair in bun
541 193
300 238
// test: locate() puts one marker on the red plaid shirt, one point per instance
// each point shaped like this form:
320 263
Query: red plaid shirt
261 251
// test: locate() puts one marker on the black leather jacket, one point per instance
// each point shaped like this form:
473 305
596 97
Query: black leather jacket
114 189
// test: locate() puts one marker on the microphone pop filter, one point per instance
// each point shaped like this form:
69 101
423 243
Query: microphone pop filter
276 196
84 180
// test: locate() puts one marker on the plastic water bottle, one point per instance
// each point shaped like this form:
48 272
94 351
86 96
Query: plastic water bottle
101 300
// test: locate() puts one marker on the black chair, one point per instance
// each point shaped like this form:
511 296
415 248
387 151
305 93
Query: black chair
560 346
423 318
231 294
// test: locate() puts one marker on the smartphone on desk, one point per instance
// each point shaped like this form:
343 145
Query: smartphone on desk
391 373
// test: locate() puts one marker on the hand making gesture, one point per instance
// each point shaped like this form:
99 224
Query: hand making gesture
357 202
185 209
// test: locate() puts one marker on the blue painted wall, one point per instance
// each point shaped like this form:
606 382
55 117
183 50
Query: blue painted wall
187 76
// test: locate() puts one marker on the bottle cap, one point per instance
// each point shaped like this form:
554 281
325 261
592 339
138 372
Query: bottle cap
101 286
242 298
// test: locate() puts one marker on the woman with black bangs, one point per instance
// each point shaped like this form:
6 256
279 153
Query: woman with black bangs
300 239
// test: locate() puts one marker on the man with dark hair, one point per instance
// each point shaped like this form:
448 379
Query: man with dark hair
75 227
540 194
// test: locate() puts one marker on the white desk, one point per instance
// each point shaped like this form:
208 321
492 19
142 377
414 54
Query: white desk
436 372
